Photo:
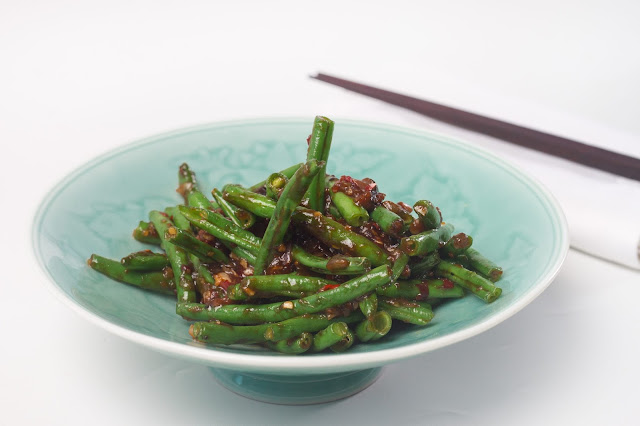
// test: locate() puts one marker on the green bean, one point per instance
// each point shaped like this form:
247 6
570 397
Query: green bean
288 172
423 266
285 207
148 280
293 346
399 266
185 286
421 289
334 212
199 200
219 221
406 311
430 215
192 245
352 213
216 225
375 328
264 286
335 265
257 204
241 218
478 285
337 236
400 211
344 344
390 222
426 242
484 266
311 323
275 185
203 279
186 181
369 305
145 260
330 336
190 190
457 245
145 232
319 147
245 254
183 237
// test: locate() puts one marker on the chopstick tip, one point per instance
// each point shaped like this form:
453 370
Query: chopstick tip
320 76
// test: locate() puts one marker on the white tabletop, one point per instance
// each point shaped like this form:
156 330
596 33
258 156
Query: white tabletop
78 79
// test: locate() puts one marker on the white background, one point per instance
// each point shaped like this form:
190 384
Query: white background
80 78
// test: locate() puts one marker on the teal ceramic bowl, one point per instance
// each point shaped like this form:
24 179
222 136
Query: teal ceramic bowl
513 219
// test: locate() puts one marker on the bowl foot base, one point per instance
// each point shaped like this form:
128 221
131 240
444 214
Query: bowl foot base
299 389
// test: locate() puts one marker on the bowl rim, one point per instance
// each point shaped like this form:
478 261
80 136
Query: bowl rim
319 363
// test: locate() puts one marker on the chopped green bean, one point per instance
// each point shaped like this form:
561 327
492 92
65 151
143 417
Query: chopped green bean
407 311
145 260
423 266
426 242
219 227
484 266
345 343
390 222
265 286
369 305
375 327
352 213
145 232
478 285
335 265
430 215
288 172
421 289
457 245
330 336
148 280
185 285
293 346
319 147
275 185
285 207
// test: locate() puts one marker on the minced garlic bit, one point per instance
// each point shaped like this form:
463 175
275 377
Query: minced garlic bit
268 334
287 305
222 278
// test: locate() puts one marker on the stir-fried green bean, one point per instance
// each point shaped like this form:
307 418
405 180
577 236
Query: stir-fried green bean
287 263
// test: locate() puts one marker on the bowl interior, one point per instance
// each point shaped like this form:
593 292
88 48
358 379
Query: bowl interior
512 219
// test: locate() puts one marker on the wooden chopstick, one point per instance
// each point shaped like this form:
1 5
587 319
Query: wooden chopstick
568 149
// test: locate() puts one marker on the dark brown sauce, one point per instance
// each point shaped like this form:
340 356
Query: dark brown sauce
374 232
363 192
